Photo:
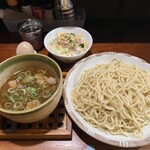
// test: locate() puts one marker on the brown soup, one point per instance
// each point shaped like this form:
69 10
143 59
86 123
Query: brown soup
28 89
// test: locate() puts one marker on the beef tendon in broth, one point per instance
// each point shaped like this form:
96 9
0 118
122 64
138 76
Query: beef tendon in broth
28 89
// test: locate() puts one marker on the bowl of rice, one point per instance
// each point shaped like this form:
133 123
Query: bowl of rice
68 44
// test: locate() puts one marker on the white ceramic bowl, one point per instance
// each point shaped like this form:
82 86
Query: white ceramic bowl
76 30
24 61
72 79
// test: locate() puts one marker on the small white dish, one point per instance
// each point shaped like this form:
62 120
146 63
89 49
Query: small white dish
70 29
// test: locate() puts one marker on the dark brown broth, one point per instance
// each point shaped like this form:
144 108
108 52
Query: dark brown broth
29 88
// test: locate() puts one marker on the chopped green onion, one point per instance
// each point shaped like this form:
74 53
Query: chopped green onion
82 45
11 99
32 91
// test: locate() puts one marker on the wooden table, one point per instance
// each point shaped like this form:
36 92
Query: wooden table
79 139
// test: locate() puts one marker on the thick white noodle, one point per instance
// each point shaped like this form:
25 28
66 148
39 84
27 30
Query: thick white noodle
114 97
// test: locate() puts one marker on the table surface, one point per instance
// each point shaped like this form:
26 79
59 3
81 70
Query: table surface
79 139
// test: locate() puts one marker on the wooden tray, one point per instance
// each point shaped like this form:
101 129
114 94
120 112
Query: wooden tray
56 126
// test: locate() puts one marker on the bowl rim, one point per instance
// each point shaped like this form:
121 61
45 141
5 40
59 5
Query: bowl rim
65 27
48 100
91 132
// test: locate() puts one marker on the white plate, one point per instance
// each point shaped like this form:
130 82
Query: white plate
73 77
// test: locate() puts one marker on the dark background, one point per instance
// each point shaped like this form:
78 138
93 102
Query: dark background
112 20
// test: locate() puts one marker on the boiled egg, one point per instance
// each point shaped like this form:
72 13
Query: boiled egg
24 48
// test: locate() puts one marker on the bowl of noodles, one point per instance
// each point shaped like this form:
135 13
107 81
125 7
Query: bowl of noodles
68 44
108 96
30 87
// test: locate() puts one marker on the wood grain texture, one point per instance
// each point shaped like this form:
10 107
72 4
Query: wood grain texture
79 138
56 126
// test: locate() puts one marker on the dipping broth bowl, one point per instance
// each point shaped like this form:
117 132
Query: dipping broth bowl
25 61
